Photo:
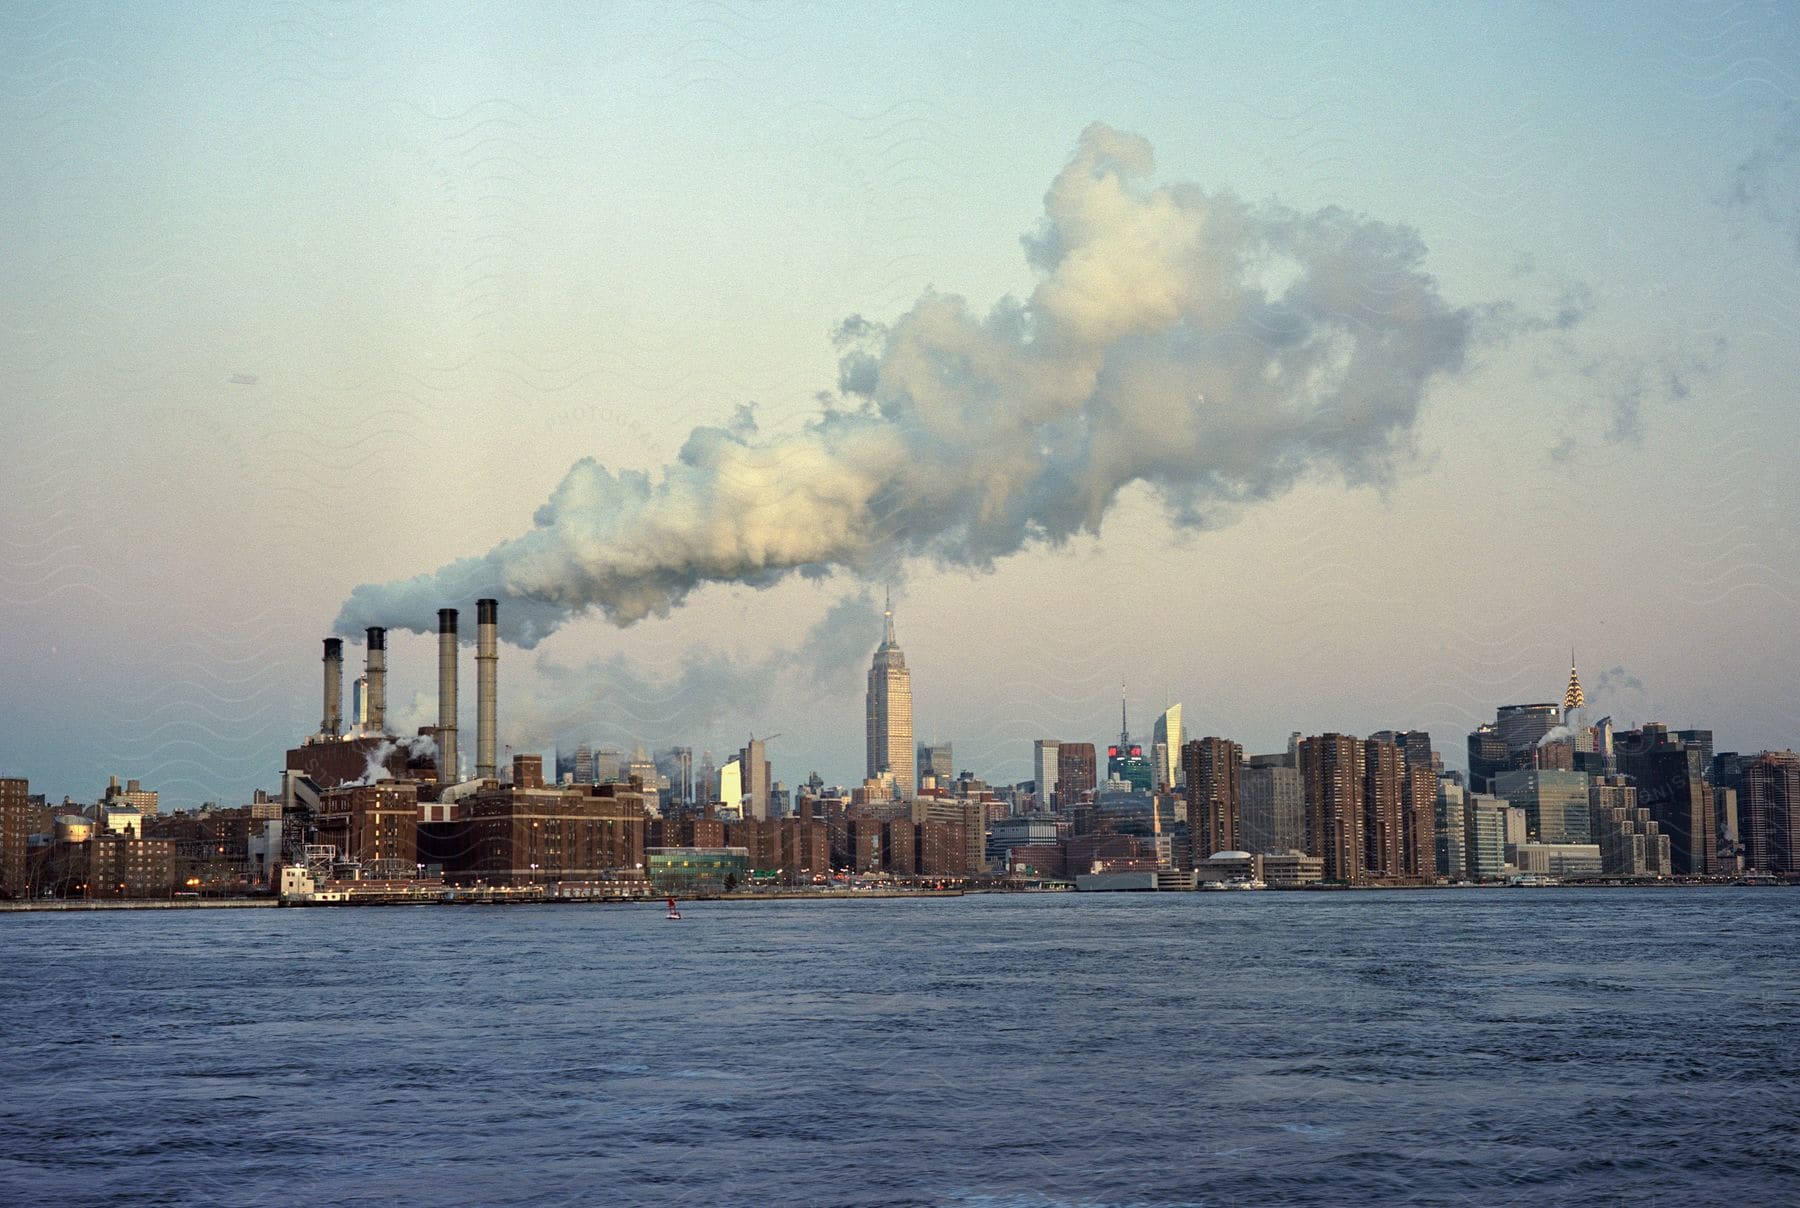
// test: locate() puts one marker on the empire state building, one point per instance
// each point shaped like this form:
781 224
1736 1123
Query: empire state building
890 713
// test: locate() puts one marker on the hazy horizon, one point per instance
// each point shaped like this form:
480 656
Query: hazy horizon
305 303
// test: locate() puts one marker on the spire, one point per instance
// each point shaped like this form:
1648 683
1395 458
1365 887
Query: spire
888 615
1573 698
1124 726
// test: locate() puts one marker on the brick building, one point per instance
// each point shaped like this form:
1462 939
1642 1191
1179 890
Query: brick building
376 825
15 822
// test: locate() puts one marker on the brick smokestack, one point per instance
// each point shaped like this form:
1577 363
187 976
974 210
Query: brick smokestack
333 722
446 727
487 658
377 673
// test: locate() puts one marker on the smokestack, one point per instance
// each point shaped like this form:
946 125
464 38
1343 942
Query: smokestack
446 735
333 722
376 696
487 655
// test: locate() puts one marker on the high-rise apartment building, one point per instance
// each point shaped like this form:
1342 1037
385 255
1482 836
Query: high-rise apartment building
1211 766
1384 810
1331 768
1419 792
890 713
1769 812
15 820
1418 801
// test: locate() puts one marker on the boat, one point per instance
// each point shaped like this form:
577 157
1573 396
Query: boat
673 912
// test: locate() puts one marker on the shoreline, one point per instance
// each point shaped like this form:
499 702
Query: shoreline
790 895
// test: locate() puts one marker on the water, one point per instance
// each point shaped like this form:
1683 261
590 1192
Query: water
1480 1047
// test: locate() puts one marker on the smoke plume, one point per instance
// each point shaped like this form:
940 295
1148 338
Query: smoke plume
375 768
1213 350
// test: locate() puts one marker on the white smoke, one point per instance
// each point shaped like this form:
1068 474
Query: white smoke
1216 351
376 767
1557 734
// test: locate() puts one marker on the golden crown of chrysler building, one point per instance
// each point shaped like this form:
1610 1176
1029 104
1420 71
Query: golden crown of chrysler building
1573 698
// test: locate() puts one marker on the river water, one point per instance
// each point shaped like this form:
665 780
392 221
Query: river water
1473 1047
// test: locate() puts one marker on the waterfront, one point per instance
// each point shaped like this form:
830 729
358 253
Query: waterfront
1457 1046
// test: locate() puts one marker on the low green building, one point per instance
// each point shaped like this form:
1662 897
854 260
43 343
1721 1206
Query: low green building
689 870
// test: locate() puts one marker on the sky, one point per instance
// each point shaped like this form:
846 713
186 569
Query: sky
1332 367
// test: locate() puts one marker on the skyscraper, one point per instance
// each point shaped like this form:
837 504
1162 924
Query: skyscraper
1332 769
1166 740
937 760
1487 755
1419 797
1769 811
890 714
1522 725
1557 803
1573 697
1384 809
1125 760
1448 829
1484 836
1272 805
1667 774
1213 799
1043 767
753 766
1075 772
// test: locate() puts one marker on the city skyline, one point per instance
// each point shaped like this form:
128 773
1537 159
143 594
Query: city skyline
301 312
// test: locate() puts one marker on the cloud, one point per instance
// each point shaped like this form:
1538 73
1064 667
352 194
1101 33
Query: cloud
1767 182
1214 351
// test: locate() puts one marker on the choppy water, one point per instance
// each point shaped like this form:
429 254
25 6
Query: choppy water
1452 1047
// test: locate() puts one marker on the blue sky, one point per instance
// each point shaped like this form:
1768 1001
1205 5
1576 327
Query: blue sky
301 298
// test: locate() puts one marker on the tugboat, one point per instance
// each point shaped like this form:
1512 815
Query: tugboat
673 912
